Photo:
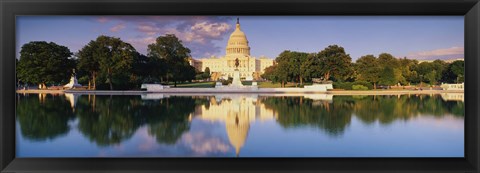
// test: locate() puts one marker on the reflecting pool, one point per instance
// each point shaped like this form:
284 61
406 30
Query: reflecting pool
239 125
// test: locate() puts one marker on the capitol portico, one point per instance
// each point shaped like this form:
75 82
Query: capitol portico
237 47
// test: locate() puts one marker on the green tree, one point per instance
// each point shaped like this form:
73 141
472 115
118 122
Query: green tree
439 67
206 73
87 62
311 67
44 63
408 71
269 74
292 62
368 69
425 72
387 76
386 59
170 49
332 62
458 69
188 74
112 57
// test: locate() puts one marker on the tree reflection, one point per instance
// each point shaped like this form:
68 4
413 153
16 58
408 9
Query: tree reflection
387 109
108 120
168 118
297 112
334 116
43 117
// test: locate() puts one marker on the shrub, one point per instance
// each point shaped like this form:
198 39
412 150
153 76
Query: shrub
364 83
359 87
342 85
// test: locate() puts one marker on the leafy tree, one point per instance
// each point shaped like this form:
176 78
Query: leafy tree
330 62
108 55
387 76
188 74
206 73
170 49
292 61
458 69
368 69
86 62
439 67
386 59
311 67
44 63
428 72
203 75
431 77
454 72
269 73
408 71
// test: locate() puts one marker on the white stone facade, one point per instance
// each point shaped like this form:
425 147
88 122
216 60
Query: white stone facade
237 48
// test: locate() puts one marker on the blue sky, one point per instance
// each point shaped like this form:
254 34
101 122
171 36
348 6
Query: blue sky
416 37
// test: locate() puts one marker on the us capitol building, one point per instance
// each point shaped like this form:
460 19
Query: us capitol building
237 47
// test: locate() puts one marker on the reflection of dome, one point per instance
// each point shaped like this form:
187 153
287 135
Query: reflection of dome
72 98
238 43
237 130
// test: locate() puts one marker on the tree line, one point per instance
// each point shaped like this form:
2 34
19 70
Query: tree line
106 63
333 63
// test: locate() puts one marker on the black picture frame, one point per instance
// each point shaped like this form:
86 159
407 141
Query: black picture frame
10 8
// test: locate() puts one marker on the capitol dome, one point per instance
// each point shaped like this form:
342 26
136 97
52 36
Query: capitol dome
238 43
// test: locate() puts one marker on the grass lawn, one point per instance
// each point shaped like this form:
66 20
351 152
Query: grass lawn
195 85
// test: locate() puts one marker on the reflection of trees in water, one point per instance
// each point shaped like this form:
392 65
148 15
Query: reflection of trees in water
387 109
334 116
44 118
168 120
108 121
114 119
105 120
298 112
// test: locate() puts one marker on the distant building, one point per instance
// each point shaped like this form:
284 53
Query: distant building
237 47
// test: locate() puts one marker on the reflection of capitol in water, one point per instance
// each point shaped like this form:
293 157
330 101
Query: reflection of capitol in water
237 111
453 96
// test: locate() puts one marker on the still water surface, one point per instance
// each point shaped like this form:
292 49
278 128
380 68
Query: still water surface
239 125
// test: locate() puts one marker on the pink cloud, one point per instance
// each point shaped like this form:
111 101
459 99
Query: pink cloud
102 19
118 27
198 33
452 52
148 29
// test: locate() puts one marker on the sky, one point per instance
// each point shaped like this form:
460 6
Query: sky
414 37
